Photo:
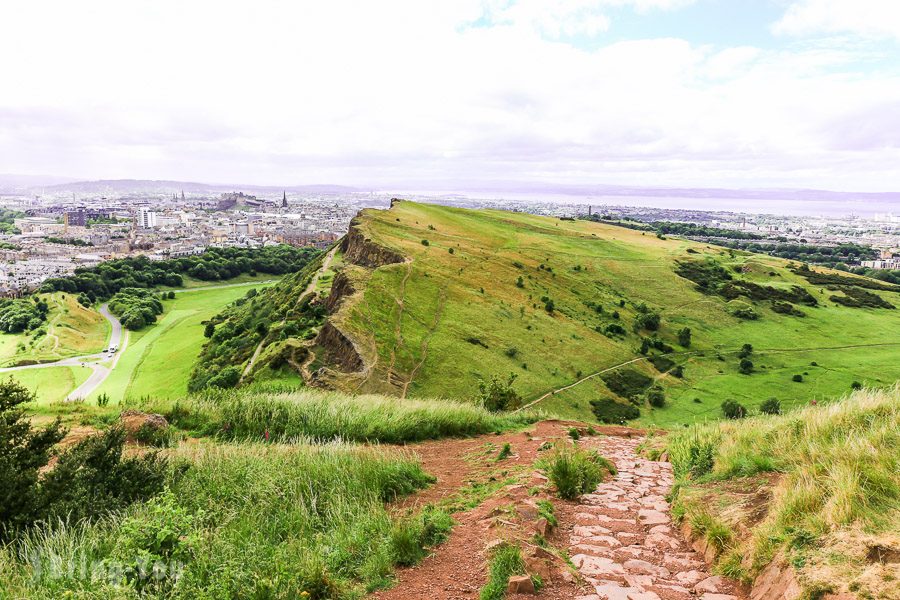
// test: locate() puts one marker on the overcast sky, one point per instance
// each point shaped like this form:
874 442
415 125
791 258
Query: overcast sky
738 93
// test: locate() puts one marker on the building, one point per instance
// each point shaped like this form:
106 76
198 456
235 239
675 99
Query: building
80 217
892 263
146 218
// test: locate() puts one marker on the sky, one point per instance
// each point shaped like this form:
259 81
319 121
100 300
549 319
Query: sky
433 94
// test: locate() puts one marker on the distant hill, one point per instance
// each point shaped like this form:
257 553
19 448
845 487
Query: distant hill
125 186
432 301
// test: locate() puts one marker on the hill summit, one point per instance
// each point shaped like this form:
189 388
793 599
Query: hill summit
590 320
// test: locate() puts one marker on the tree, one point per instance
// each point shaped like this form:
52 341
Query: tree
797 378
24 450
209 330
684 337
656 397
498 395
520 283
746 350
746 366
772 406
733 410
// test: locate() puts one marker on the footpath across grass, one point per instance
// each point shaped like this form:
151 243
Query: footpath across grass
817 487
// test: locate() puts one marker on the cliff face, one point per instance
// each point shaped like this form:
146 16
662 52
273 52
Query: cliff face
339 350
341 287
360 250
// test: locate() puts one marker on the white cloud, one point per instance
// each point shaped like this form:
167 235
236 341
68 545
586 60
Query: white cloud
867 18
366 93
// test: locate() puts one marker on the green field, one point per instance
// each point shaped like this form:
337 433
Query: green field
158 359
441 323
70 330
52 384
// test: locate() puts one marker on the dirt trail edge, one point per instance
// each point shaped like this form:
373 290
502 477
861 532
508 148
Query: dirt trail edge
624 543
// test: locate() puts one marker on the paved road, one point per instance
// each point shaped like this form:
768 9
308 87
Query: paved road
117 337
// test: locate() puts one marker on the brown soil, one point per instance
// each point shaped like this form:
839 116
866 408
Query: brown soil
458 568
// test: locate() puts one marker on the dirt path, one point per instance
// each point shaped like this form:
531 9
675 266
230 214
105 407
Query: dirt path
624 543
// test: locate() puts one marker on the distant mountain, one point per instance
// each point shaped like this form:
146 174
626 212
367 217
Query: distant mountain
133 186
17 184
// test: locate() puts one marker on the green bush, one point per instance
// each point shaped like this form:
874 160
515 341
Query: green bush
733 409
772 406
797 378
611 412
656 397
498 395
574 471
745 366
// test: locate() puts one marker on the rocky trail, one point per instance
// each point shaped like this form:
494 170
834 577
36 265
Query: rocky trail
620 538
624 543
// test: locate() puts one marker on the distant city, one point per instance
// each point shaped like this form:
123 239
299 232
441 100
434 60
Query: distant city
49 233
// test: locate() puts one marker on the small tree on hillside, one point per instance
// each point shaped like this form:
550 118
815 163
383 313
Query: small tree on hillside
770 407
498 395
684 337
24 450
746 350
733 410
209 330
746 366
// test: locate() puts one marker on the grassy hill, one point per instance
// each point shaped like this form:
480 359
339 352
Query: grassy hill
431 301
817 489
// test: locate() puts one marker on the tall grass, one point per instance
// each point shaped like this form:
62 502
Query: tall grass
245 520
329 416
839 466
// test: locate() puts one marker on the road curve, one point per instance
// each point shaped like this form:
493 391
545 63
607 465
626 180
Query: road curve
117 337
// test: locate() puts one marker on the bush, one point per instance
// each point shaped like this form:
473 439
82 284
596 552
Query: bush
656 397
733 410
574 433
856 385
649 321
426 243
611 412
746 366
797 378
772 406
574 471
627 383
684 337
498 395
746 350
412 536
678 372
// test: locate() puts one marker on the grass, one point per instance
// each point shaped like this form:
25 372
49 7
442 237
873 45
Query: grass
158 360
412 320
574 471
329 415
835 473
70 330
50 384
244 520
505 562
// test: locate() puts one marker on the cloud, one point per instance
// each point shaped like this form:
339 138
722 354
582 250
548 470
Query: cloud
867 18
405 91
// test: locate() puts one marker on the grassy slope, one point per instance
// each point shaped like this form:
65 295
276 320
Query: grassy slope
52 384
443 305
159 359
70 330
837 498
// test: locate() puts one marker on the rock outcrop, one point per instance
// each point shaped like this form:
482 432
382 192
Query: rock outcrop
339 349
362 251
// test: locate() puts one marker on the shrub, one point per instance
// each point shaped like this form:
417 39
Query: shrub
684 337
574 471
612 412
411 536
745 366
511 352
103 399
627 383
797 378
574 433
498 395
733 409
649 321
678 371
426 243
662 363
656 397
520 283
746 350
24 450
505 451
856 385
772 406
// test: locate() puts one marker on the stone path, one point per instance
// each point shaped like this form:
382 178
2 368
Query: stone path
624 543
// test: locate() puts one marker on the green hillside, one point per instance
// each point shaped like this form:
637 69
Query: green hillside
431 301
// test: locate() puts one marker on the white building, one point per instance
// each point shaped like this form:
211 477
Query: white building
146 218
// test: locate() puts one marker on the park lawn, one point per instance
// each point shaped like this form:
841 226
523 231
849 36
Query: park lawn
190 283
70 330
443 323
51 384
158 359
